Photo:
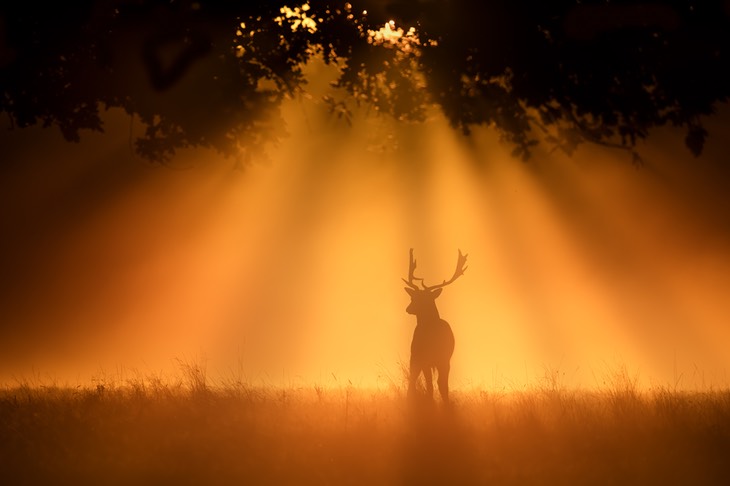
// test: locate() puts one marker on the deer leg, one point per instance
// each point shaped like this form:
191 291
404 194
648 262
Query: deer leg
429 381
443 381
414 371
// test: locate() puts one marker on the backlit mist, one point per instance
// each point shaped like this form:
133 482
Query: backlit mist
289 269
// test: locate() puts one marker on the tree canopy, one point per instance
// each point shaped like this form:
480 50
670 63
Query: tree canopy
214 73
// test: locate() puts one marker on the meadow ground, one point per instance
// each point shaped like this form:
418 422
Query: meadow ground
151 433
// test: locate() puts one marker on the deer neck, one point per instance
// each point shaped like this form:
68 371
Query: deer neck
428 315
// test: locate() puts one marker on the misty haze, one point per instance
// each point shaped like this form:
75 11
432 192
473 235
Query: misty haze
209 214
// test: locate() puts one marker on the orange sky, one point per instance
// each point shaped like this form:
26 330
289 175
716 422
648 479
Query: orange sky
289 271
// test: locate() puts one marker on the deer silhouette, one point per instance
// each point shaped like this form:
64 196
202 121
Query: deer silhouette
433 340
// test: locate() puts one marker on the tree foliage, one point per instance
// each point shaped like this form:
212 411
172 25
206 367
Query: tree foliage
213 74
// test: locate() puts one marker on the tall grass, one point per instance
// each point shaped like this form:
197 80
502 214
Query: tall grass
150 431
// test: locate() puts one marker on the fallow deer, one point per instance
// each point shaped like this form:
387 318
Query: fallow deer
433 340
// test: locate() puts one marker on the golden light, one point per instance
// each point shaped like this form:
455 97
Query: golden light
291 272
298 18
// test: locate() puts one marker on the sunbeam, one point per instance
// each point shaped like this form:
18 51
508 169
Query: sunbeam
293 267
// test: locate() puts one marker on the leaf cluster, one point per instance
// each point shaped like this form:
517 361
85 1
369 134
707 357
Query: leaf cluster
214 74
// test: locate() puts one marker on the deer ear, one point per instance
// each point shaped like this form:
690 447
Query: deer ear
410 291
436 293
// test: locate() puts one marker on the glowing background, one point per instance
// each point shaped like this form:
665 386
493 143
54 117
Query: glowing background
289 271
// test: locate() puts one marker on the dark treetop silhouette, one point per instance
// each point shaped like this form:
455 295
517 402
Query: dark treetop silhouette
213 74
433 340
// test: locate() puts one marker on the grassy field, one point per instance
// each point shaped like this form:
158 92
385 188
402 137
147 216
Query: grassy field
151 433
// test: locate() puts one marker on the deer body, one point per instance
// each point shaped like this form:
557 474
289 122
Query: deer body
431 348
433 340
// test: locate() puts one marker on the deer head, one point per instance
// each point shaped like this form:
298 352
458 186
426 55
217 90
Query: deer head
423 297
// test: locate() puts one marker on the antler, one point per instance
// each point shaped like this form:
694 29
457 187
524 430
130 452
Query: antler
411 276
460 268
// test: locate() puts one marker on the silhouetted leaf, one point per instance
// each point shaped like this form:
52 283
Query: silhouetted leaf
695 139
